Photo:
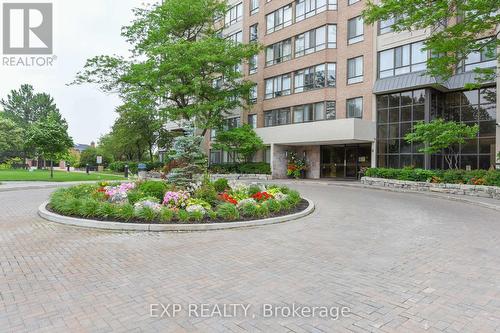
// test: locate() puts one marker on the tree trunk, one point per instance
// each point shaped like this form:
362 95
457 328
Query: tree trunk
51 169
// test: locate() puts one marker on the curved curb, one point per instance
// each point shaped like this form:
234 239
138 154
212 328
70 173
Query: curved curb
121 226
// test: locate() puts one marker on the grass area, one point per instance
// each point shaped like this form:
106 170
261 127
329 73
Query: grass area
59 176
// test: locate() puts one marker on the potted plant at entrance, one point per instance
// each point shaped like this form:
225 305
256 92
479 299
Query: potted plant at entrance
296 167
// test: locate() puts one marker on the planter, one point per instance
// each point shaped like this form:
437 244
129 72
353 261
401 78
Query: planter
120 226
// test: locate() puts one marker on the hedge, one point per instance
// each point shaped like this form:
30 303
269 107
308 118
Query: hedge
473 177
243 168
119 166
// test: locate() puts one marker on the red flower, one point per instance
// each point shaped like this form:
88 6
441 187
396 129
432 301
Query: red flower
227 198
262 196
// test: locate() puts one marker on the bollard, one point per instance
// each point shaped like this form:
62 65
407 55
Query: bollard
87 169
126 170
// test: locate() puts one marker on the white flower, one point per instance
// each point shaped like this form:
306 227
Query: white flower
196 208
147 203
278 196
246 201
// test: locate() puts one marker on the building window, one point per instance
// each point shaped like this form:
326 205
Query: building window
213 134
316 40
233 15
397 113
320 76
254 6
355 70
355 107
277 117
352 2
279 19
253 94
253 64
355 30
385 26
314 112
230 123
267 155
215 157
308 8
278 86
402 59
486 58
279 52
252 120
254 33
237 37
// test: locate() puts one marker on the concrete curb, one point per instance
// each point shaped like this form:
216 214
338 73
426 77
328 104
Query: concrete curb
44 213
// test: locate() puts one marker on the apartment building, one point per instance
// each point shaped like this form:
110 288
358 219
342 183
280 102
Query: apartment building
342 94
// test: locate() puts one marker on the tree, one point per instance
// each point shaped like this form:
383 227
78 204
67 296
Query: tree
178 55
49 138
89 156
26 107
188 159
458 29
141 118
240 140
441 136
11 138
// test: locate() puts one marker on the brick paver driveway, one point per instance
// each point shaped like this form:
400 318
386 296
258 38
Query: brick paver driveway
400 262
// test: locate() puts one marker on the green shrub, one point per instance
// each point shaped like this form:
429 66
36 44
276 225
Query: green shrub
196 216
153 188
294 197
418 175
492 178
134 196
125 212
253 189
81 191
89 207
212 215
221 185
105 210
147 214
119 166
286 204
249 210
166 215
274 206
262 210
227 211
243 168
453 176
183 216
208 193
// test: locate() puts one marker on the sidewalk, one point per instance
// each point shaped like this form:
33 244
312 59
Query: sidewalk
6 186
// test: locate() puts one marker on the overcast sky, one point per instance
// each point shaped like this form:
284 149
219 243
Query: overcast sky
82 29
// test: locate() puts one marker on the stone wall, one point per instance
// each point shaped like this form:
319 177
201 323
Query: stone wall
461 189
235 176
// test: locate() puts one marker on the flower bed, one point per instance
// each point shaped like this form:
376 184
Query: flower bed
160 202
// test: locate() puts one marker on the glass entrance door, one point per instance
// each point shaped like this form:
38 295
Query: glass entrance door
351 162
344 161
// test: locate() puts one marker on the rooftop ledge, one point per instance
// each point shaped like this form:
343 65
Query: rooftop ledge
338 131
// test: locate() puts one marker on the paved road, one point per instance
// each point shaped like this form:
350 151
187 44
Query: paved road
399 262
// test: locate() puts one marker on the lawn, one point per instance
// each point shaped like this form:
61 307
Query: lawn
59 176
